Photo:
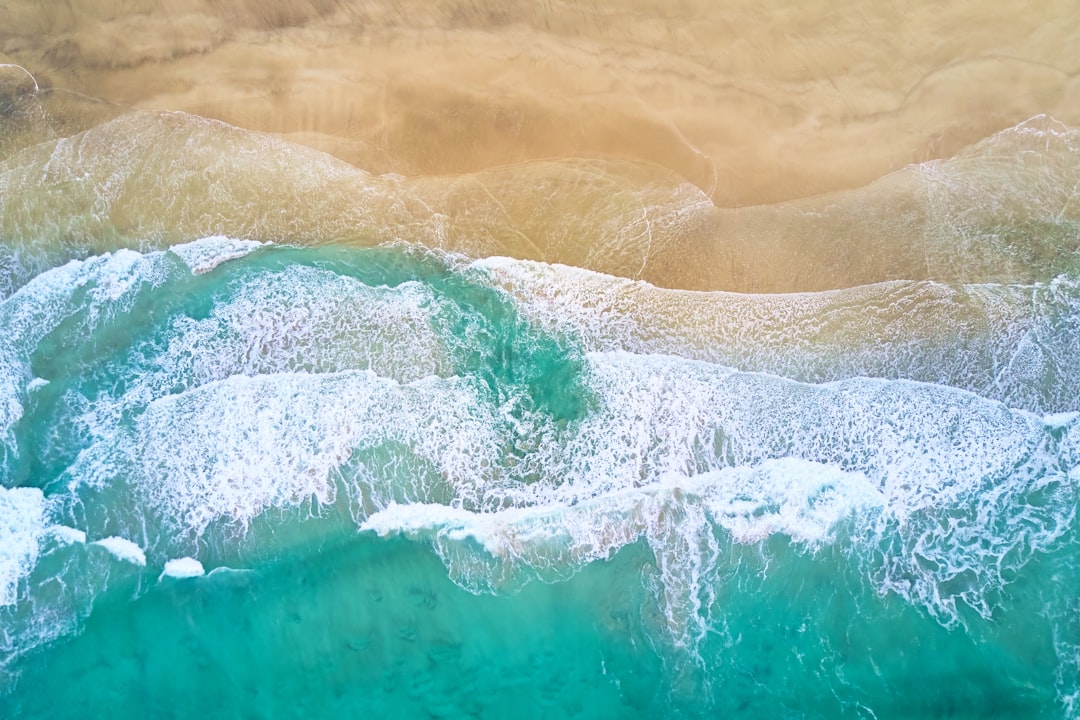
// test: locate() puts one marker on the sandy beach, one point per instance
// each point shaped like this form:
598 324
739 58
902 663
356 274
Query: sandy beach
753 102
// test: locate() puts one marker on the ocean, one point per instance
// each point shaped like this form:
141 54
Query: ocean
580 399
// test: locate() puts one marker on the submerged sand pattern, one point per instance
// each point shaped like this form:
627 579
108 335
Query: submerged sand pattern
1006 210
752 102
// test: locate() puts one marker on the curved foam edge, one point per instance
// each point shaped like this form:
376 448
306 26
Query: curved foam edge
185 567
67 535
123 549
203 255
789 496
501 551
993 339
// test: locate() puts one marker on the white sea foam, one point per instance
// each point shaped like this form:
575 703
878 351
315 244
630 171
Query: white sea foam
308 319
230 449
1060 421
216 440
301 319
123 549
205 254
799 499
111 282
951 472
678 517
1011 343
972 489
114 279
26 317
67 535
22 522
184 567
969 488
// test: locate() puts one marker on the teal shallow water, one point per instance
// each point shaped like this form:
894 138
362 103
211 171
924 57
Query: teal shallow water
375 628
246 479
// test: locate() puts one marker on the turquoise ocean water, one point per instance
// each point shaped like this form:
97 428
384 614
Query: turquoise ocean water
279 439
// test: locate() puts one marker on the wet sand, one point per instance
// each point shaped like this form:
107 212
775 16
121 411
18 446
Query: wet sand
1003 211
753 102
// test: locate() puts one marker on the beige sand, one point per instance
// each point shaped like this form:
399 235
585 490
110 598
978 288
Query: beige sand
1006 210
754 101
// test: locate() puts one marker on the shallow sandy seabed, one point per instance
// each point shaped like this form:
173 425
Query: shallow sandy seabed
1003 210
753 102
